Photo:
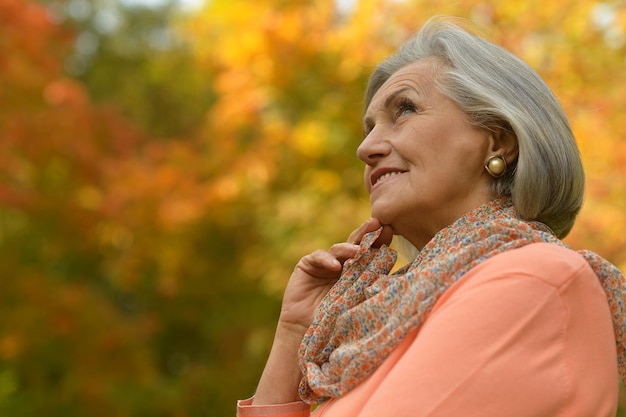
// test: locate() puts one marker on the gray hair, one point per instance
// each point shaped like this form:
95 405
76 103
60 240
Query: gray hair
495 89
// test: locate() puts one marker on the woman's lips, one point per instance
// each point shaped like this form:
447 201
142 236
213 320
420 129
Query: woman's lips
379 176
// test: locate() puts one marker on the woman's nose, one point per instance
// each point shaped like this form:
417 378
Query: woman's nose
373 148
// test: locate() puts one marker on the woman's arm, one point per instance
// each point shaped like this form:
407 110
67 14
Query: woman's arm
311 279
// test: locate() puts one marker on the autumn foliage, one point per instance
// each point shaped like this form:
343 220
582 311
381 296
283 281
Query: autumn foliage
153 206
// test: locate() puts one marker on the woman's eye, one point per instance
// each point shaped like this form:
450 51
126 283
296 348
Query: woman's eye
405 107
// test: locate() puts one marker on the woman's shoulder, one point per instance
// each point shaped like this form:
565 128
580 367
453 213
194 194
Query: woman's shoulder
528 271
554 265
523 318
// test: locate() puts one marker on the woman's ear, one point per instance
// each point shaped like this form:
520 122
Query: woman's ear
502 141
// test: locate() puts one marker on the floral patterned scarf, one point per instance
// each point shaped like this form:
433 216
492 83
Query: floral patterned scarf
368 312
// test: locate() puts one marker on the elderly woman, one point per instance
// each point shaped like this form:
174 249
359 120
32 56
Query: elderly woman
470 161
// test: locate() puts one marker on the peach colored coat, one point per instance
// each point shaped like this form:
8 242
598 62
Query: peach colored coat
526 333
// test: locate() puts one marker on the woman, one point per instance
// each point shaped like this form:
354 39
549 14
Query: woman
470 161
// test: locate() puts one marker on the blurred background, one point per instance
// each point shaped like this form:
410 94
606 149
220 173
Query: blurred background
163 166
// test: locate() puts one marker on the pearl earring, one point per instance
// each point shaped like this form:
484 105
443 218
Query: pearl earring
495 165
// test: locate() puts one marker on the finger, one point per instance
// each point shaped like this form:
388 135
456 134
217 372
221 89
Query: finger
320 262
343 251
369 225
385 237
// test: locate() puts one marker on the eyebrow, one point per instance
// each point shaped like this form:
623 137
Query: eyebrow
395 94
368 120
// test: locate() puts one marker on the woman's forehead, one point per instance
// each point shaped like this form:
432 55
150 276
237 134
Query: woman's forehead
418 76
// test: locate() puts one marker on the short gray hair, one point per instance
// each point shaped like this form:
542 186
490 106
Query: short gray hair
494 88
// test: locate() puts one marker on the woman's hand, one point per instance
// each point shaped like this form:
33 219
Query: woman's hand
317 272
311 279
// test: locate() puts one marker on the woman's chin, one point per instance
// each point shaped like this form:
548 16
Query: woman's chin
382 212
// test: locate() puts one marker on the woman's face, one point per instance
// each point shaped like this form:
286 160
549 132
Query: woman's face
424 160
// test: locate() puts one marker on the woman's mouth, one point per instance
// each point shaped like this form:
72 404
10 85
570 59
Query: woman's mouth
380 177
